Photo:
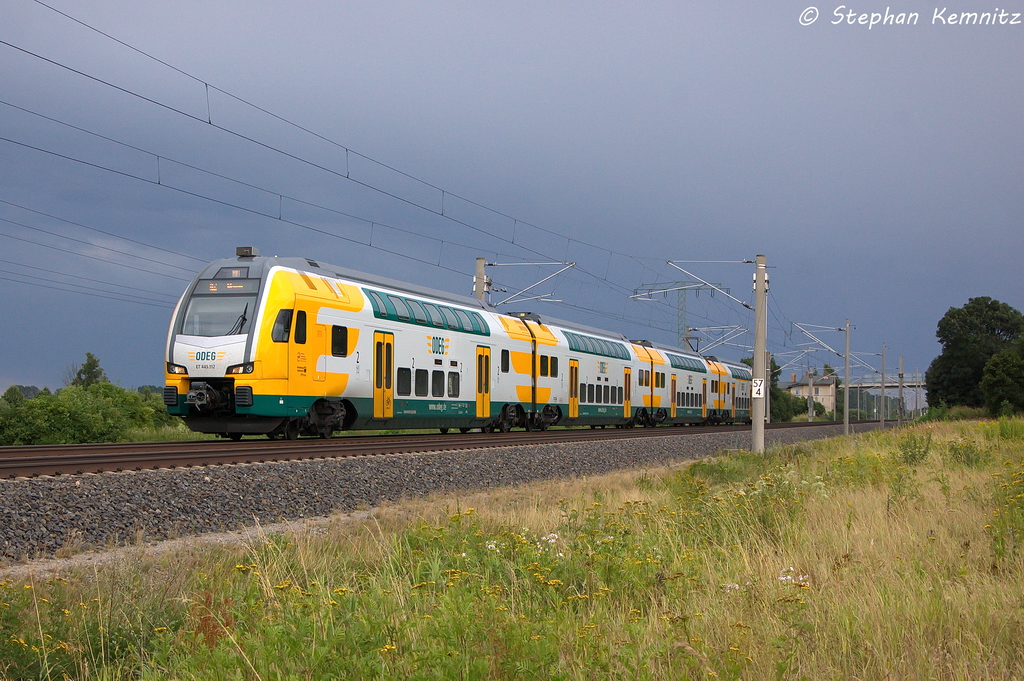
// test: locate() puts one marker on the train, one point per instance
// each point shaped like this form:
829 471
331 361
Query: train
284 347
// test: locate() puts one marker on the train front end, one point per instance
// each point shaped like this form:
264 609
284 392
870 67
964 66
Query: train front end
209 354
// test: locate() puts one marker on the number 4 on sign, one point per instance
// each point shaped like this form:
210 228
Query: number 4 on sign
757 387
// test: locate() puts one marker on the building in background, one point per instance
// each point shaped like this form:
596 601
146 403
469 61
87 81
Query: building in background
824 388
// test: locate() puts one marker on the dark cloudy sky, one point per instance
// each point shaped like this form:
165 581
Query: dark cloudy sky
878 168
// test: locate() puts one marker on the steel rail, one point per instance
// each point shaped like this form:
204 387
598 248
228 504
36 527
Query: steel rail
55 460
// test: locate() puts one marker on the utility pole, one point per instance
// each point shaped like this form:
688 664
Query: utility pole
810 394
846 383
899 403
481 284
761 372
881 410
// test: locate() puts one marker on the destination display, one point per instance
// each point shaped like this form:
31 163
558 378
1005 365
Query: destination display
207 287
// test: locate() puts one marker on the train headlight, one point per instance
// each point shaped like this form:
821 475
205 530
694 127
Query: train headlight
246 368
176 369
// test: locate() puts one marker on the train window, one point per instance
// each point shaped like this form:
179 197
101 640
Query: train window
554 367
404 382
544 365
607 394
453 384
418 313
300 327
479 324
582 394
435 315
422 378
451 319
379 308
590 393
598 395
437 384
282 326
504 361
467 323
378 365
339 341
401 309
620 394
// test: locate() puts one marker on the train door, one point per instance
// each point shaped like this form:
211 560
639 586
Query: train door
673 398
483 381
574 388
704 398
627 379
383 371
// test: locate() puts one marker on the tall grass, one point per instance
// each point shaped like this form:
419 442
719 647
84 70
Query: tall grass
875 556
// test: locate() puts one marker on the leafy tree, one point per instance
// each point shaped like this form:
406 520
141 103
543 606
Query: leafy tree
90 372
970 336
13 395
1002 381
29 391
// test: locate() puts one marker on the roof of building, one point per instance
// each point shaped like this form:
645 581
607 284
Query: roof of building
830 379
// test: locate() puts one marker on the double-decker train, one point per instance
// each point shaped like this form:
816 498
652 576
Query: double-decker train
284 347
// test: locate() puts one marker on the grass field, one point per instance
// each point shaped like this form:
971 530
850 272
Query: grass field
887 555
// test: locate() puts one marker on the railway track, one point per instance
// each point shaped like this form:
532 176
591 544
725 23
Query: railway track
53 460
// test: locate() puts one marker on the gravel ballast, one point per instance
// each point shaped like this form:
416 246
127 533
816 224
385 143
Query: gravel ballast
41 515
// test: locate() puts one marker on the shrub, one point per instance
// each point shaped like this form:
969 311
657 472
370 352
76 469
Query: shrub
914 448
966 452
101 412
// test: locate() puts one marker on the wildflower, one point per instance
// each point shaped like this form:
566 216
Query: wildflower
388 648
159 629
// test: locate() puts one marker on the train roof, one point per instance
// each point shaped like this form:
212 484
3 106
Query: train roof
262 264
259 265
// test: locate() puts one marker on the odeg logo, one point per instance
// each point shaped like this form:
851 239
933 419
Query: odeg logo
808 16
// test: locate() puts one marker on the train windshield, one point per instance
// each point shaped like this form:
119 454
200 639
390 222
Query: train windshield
214 310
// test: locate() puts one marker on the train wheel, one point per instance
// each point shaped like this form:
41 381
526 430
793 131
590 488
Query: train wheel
464 430
235 437
272 435
291 431
444 430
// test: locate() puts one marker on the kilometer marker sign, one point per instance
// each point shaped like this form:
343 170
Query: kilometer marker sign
757 387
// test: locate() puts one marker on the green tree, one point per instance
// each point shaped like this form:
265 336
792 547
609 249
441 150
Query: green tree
13 395
970 336
90 372
1002 380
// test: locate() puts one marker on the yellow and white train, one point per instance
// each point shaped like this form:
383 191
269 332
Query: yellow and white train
289 346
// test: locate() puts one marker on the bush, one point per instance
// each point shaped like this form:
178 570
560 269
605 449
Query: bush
101 412
914 448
